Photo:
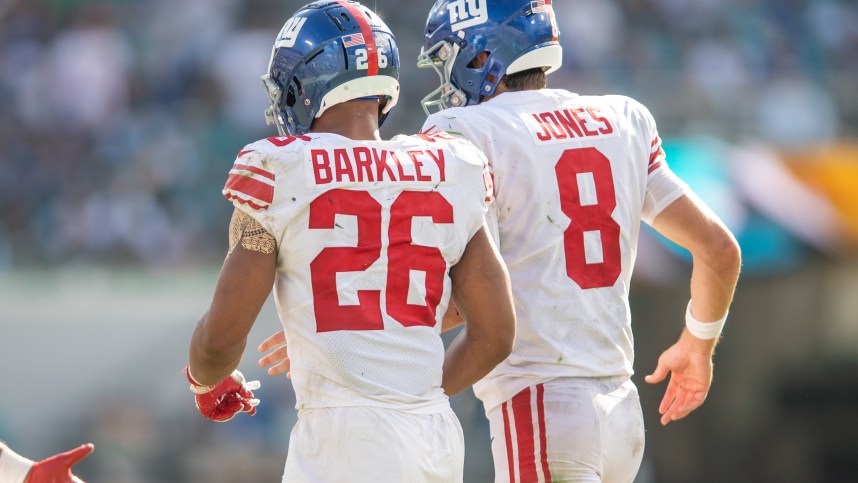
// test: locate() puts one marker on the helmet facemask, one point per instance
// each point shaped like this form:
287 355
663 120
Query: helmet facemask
441 57
273 112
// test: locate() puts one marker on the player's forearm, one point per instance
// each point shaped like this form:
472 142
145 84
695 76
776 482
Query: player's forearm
481 292
213 357
713 282
713 279
689 223
470 357
221 335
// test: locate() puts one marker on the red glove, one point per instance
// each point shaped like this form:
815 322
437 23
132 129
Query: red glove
57 469
222 401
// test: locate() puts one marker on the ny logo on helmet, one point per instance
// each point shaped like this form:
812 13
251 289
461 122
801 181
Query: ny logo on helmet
289 32
467 13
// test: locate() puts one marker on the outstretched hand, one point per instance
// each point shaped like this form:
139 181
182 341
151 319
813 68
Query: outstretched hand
57 469
278 359
689 363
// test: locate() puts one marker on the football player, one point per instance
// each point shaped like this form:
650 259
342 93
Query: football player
14 468
574 176
365 242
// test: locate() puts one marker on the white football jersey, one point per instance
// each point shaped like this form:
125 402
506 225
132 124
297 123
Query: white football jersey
573 177
366 234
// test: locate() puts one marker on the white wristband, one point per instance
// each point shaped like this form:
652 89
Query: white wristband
13 467
196 387
703 330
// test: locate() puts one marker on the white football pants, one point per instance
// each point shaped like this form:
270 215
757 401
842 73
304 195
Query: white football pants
372 445
569 430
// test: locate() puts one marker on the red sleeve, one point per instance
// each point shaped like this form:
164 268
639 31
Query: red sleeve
249 183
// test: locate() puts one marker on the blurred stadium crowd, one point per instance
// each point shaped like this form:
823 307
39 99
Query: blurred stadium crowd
121 120
121 117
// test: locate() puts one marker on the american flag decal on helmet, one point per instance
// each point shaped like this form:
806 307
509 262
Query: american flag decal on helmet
544 6
353 40
250 185
364 38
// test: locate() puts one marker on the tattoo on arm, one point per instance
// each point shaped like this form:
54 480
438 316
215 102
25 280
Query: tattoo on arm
244 229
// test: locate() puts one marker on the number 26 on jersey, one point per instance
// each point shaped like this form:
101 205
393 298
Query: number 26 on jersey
403 256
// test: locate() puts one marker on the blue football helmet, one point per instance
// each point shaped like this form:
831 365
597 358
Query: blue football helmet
329 52
518 35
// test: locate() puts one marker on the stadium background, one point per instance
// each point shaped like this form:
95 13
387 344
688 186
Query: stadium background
120 120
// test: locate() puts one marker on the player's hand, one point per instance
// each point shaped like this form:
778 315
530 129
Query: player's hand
222 401
278 359
57 469
689 362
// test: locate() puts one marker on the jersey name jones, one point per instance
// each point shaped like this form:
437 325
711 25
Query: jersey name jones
567 124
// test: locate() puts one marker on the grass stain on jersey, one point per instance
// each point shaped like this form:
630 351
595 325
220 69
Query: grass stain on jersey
551 220
560 359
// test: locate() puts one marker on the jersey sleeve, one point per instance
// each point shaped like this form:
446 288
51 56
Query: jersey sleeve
250 185
447 121
663 187
454 127
479 177
489 205
492 224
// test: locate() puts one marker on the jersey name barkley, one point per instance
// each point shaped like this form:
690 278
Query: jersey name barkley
568 124
326 166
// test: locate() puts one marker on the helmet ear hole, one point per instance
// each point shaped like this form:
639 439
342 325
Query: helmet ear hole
479 60
294 92
290 97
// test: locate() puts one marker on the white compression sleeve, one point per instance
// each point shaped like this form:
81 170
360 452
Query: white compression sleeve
13 467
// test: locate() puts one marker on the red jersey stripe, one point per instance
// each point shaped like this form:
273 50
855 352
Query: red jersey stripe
523 414
246 151
654 167
507 432
368 36
253 169
543 445
249 203
250 187
655 156
489 181
281 141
